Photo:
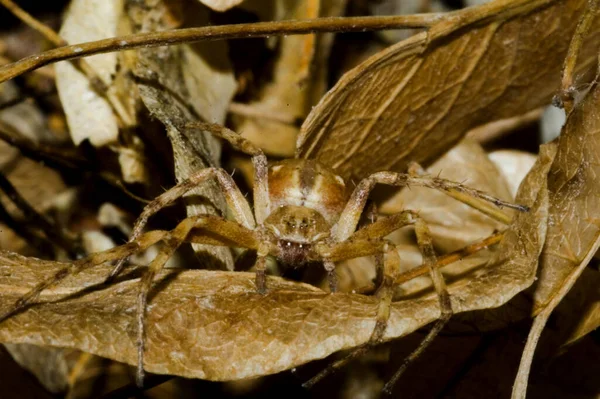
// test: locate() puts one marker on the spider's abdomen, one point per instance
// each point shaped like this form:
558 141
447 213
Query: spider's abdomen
306 183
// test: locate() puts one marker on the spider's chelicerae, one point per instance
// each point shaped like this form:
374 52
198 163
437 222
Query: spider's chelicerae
303 212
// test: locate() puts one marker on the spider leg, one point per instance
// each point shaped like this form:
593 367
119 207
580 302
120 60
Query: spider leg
95 259
430 259
479 200
367 241
259 161
235 200
230 231
391 262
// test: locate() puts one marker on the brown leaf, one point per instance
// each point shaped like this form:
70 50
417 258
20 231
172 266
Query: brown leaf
415 100
178 85
573 229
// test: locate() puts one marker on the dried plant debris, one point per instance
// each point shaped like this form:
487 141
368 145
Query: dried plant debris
296 78
573 232
181 84
414 101
89 113
401 107
97 94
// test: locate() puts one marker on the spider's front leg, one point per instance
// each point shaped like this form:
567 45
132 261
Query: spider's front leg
235 199
220 232
474 198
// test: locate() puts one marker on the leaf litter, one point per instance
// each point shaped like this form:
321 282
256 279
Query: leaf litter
195 312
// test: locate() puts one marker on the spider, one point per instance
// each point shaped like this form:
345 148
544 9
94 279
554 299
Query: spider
302 213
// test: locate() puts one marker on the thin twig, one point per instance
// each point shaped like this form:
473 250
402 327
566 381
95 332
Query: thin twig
220 32
38 242
33 23
66 157
61 157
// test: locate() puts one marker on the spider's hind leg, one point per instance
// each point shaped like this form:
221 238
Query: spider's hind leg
359 244
430 259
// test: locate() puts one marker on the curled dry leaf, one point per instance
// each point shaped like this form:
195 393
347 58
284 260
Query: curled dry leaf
214 325
51 366
573 229
181 84
500 59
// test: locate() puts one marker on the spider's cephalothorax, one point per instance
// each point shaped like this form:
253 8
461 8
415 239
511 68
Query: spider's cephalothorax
306 199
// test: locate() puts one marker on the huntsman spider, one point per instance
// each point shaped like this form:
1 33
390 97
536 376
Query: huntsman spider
303 212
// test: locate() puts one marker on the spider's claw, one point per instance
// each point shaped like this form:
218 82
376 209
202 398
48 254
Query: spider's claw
261 284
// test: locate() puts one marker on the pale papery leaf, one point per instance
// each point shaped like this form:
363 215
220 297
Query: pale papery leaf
90 116
514 165
499 60
452 223
221 5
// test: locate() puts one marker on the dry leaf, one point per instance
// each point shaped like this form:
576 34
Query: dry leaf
221 5
514 166
452 223
50 366
498 60
18 381
298 79
90 116
573 230
178 85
